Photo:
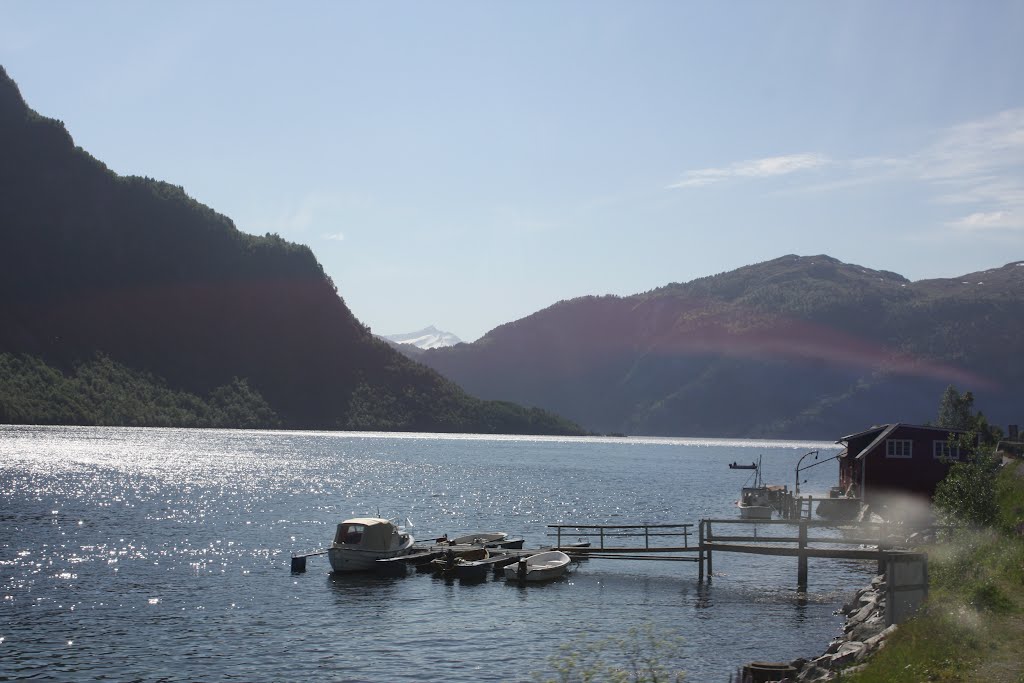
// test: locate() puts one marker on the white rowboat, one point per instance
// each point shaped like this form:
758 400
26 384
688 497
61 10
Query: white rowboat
540 567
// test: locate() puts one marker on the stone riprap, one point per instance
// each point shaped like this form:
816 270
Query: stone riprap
863 634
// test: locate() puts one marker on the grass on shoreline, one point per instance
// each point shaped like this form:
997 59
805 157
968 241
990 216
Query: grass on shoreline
972 627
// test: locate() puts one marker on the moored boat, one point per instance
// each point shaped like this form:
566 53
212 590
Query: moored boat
755 501
479 538
540 567
361 541
450 559
488 539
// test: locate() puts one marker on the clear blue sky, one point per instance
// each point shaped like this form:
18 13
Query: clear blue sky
468 163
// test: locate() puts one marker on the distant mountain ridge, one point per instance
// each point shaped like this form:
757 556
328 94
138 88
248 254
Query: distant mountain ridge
795 347
126 292
428 338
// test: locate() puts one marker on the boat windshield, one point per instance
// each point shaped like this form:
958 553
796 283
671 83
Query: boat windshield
350 533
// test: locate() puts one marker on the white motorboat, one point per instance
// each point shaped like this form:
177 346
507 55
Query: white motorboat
540 567
361 541
756 501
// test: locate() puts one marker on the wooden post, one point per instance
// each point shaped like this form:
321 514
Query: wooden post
801 570
711 537
700 551
647 537
883 545
602 537
559 539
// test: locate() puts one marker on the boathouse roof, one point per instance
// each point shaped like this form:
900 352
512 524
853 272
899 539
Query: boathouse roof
883 432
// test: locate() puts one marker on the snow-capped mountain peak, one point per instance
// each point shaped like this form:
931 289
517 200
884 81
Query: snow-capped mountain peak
427 338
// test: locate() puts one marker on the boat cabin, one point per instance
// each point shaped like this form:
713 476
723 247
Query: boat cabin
896 459
371 533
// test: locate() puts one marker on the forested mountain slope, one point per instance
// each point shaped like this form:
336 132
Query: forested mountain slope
804 347
131 281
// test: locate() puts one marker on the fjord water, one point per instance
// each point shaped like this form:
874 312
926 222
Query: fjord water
162 554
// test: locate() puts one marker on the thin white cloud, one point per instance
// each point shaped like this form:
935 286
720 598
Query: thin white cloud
766 167
976 148
977 165
335 236
989 221
980 165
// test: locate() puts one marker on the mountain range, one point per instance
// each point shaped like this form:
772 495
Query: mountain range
795 347
125 301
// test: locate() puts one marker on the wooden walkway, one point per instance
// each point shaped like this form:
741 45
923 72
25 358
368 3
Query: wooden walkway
671 543
709 543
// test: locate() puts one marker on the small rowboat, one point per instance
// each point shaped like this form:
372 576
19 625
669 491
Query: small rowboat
540 567
480 538
446 564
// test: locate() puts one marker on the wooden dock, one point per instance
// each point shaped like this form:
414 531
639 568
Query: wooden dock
782 546
665 543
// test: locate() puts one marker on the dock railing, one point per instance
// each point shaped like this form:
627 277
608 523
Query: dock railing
878 537
609 533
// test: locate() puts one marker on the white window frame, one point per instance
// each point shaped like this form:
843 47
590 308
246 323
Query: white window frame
905 450
943 449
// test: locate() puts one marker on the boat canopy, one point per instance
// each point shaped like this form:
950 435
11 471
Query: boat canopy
371 533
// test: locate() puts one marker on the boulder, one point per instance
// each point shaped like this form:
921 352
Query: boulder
869 628
849 653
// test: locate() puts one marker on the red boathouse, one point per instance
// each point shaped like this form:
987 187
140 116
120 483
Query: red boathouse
896 459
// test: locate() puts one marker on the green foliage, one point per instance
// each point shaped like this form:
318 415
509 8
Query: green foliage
103 392
967 494
640 656
956 410
1010 500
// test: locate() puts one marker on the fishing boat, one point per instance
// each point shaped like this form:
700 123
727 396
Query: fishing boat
755 501
737 466
540 567
361 541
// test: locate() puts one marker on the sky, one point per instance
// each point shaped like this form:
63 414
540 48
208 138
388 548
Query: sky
465 164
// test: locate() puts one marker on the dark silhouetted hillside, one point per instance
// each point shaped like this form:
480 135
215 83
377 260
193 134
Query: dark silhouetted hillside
185 311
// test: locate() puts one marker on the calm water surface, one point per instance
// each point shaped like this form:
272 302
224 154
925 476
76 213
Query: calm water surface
159 554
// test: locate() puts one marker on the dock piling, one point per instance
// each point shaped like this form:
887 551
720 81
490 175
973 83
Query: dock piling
700 552
801 570
710 539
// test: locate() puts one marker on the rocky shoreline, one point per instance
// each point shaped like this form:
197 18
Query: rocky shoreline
863 634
